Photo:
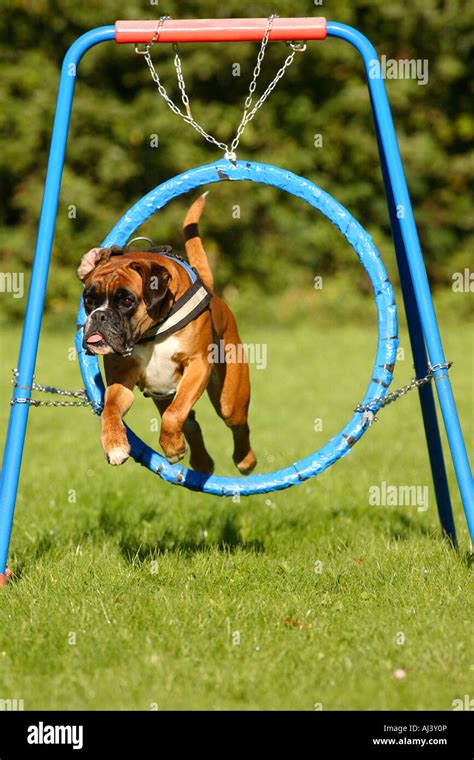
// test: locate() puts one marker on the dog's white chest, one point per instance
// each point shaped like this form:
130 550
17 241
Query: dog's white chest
159 373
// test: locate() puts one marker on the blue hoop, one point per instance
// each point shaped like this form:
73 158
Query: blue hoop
361 242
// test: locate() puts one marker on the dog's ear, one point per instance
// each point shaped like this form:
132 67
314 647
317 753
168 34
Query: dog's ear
94 257
155 285
88 263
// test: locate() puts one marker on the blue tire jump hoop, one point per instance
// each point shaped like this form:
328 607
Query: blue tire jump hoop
382 374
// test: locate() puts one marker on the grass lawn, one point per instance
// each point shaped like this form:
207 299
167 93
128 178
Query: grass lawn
132 594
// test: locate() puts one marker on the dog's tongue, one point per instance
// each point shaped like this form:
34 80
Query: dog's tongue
94 338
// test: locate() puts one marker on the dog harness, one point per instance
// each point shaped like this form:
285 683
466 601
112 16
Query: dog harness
193 302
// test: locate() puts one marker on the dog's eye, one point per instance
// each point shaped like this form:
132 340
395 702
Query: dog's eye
126 302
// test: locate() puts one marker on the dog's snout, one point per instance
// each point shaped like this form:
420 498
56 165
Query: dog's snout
99 316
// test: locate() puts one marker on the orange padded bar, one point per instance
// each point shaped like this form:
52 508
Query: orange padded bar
221 30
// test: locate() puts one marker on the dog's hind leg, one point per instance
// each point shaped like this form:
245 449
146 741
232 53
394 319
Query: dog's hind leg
229 391
200 459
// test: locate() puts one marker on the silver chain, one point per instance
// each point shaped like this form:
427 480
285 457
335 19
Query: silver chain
181 85
229 152
368 409
82 395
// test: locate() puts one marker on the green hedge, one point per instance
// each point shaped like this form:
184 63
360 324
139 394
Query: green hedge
276 242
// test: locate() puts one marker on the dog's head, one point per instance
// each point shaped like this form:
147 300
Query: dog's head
124 294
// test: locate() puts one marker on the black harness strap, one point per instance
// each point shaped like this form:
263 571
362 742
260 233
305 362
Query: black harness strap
192 303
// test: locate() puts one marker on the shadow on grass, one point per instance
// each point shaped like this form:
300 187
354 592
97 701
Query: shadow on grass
223 534
402 528
227 538
468 559
398 525
42 547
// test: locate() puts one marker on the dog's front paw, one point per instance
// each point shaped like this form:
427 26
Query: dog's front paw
174 448
117 455
116 446
174 458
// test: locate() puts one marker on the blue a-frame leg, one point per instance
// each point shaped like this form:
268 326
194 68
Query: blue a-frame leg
421 317
392 177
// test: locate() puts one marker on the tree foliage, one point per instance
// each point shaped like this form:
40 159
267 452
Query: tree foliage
272 241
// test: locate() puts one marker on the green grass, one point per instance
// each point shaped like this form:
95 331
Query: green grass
193 602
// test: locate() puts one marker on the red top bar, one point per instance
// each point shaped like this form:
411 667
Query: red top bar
221 30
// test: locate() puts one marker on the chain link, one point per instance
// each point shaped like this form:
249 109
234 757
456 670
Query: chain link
181 85
82 395
247 116
368 410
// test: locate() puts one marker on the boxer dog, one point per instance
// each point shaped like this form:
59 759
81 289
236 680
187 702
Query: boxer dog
130 299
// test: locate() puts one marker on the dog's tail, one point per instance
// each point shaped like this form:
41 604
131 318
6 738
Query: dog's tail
194 247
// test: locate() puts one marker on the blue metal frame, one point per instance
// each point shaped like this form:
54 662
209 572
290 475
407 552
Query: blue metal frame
421 317
382 373
421 314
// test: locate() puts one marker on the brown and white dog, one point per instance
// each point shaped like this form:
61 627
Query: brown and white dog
128 293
